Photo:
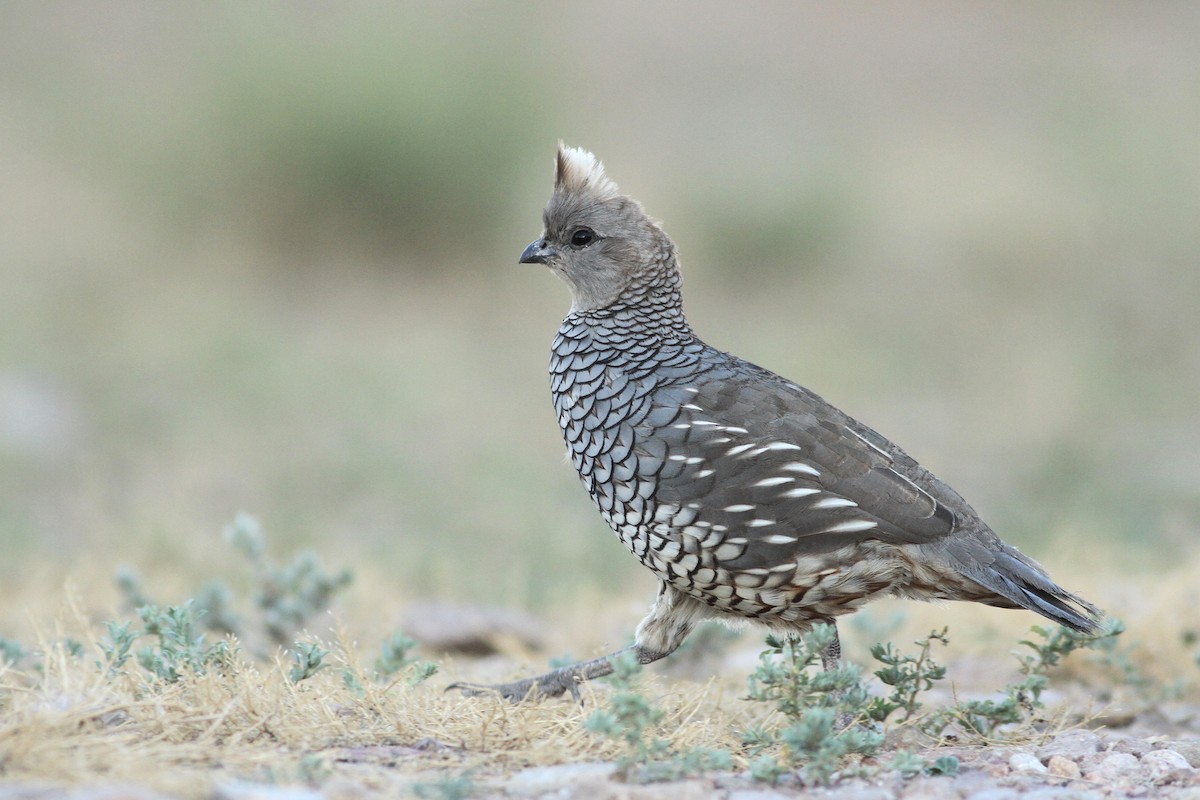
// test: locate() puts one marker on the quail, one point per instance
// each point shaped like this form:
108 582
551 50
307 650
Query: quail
747 495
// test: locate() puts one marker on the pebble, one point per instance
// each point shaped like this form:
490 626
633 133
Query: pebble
1188 748
1158 764
1026 762
1071 744
1114 767
1063 767
1131 744
537 780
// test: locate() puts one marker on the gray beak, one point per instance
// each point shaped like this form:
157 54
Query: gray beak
538 252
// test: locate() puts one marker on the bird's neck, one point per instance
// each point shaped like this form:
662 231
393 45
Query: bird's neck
651 306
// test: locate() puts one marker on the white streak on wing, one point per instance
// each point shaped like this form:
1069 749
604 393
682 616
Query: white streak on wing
734 429
835 502
851 526
694 460
704 423
779 538
681 426
692 407
869 444
800 466
738 508
783 446
774 481
704 473
759 523
741 448
802 491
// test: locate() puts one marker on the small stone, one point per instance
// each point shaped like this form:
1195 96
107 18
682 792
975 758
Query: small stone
1188 748
1131 744
539 780
1158 764
1114 767
1063 767
1071 744
1026 762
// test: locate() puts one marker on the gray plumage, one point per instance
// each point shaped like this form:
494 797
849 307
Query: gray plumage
747 495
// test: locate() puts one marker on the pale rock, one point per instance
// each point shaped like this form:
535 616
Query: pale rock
1114 767
1158 764
1026 762
1063 767
1071 744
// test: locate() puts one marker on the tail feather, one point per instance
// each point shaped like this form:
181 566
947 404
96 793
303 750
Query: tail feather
1018 581
1022 580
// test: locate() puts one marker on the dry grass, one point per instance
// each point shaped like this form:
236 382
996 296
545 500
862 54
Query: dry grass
70 723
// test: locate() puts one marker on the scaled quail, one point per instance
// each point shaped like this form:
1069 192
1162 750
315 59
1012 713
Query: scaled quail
747 495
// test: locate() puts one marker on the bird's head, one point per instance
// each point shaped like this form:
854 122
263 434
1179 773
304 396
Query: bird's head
598 240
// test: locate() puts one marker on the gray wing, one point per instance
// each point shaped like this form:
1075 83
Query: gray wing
765 461
754 473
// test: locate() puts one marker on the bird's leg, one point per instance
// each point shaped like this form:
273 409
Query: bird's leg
556 682
831 659
659 634
831 656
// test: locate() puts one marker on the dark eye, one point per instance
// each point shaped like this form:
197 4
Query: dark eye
582 237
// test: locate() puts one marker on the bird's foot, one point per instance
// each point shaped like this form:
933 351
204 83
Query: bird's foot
552 684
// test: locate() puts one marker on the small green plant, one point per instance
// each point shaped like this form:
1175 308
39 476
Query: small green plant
180 649
908 676
1021 700
451 787
943 765
116 646
315 769
632 718
286 596
394 657
907 764
11 650
828 713
307 660
825 710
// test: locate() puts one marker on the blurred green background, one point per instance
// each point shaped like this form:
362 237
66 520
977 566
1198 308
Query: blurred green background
262 257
